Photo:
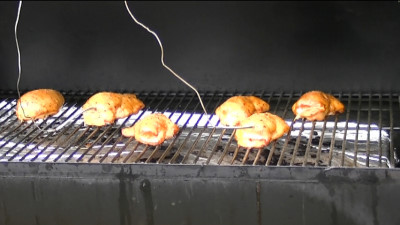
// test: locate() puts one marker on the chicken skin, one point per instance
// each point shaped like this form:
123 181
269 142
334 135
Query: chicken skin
317 105
39 104
266 127
237 108
153 129
105 107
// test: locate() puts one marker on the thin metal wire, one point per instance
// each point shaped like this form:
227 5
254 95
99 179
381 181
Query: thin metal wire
162 56
18 50
201 131
19 64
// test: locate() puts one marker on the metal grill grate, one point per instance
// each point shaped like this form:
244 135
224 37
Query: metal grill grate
363 136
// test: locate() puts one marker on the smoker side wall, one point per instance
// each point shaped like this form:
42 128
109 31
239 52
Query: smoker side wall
272 46
165 194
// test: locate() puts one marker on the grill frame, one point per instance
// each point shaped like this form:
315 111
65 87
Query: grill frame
152 194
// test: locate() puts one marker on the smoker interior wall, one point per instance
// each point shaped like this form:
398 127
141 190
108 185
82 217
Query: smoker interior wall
272 46
166 194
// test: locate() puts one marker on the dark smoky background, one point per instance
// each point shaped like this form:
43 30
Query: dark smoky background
229 46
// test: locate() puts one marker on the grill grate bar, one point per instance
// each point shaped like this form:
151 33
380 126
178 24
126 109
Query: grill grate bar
228 144
123 149
79 146
34 138
153 153
259 151
54 140
246 156
333 142
391 147
8 131
60 145
364 136
391 131
272 151
178 151
285 146
202 148
310 138
156 109
235 154
64 131
139 156
118 154
9 141
10 107
369 130
175 110
80 158
321 140
296 146
110 137
215 146
344 142
357 131
71 142
157 148
107 140
380 131
189 152
200 151
185 110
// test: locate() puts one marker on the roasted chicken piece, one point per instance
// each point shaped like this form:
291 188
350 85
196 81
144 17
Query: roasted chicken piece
237 108
105 107
153 129
39 104
266 127
316 105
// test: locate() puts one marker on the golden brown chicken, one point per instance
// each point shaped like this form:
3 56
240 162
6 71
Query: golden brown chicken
316 105
267 127
153 129
237 108
129 105
105 107
39 104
